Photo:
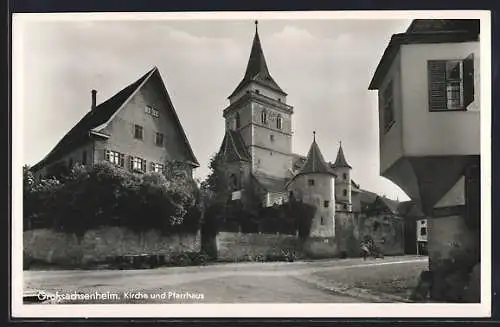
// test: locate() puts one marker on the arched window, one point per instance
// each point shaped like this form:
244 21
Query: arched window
263 117
238 122
279 122
344 192
344 176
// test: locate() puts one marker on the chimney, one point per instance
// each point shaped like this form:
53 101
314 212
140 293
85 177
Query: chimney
94 94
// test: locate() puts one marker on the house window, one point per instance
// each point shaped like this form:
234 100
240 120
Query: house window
388 106
159 139
157 168
311 182
138 132
376 226
138 164
263 117
344 176
84 157
423 231
152 111
451 84
345 206
279 122
257 91
344 192
326 204
115 158
322 221
238 121
271 137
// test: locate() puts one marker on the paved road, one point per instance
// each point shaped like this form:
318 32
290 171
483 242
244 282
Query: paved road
222 283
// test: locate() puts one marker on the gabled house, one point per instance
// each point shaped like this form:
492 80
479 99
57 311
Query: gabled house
136 129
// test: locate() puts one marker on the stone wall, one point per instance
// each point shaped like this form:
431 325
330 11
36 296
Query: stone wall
59 248
386 231
347 233
244 246
320 247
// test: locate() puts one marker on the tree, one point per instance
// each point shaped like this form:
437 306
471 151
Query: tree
38 199
216 181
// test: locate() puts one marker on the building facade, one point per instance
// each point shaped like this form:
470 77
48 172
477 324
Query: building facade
429 108
137 129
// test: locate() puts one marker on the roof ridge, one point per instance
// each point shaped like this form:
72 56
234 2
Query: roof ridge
102 114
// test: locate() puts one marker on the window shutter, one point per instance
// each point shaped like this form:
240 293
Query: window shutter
144 165
468 67
130 162
436 70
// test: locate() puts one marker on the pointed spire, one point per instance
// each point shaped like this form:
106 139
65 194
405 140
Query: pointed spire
257 69
340 162
315 163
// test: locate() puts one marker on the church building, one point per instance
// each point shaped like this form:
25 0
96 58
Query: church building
259 161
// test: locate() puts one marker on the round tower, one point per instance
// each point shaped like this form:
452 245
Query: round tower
315 184
343 185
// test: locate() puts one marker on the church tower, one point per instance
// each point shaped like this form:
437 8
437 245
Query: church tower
260 118
343 186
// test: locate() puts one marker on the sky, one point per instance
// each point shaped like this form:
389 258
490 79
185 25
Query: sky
325 66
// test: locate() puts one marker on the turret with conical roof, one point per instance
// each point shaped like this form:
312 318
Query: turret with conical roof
314 184
343 186
315 163
341 162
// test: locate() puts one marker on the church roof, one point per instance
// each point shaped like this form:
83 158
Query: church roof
340 161
233 147
257 70
315 163
270 184
102 114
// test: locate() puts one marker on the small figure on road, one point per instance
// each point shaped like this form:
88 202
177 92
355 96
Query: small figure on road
365 251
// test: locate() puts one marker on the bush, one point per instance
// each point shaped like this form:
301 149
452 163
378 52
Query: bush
180 260
105 195
288 218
